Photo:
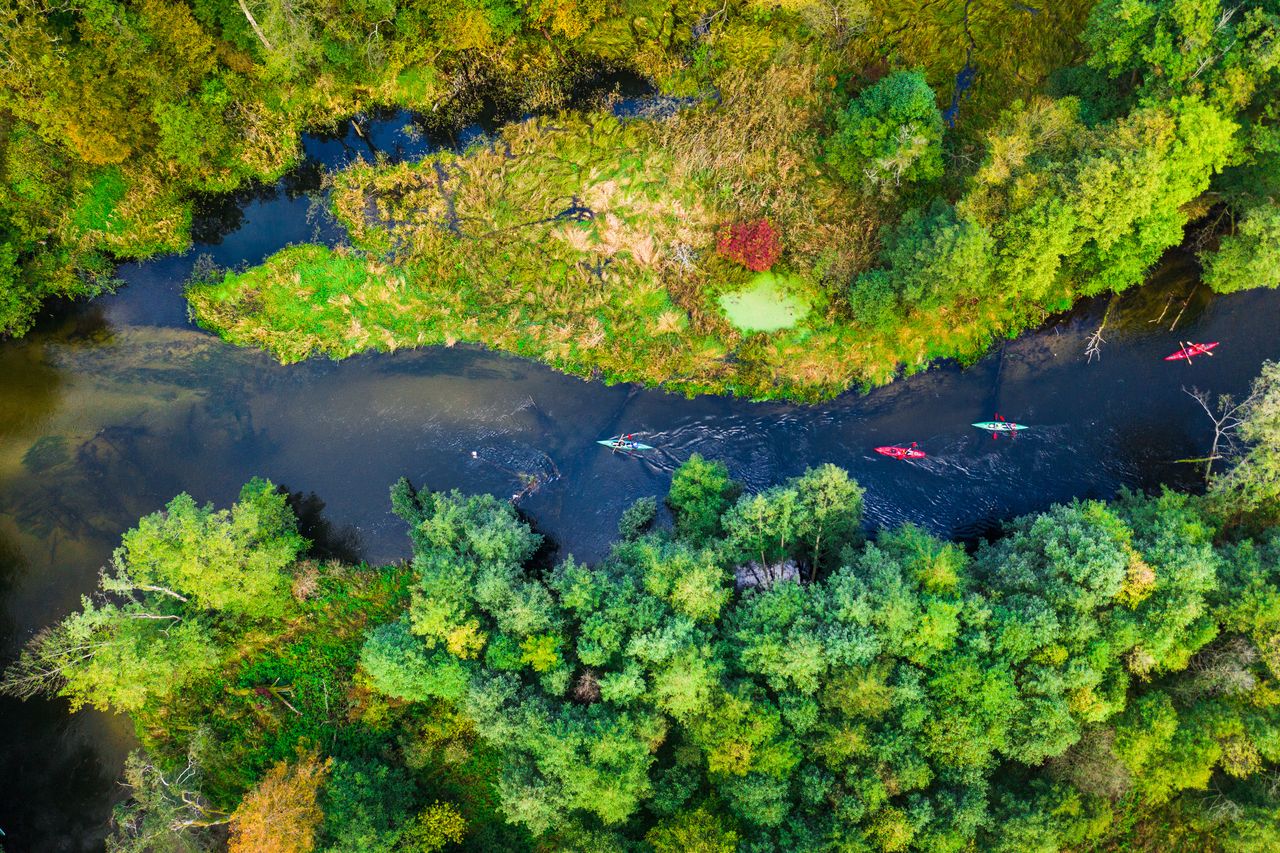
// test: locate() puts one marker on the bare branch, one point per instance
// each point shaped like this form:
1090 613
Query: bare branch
1226 418
253 22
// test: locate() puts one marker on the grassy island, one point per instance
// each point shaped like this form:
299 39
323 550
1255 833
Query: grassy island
603 242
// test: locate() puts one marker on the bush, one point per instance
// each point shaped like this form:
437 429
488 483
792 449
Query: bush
638 517
756 245
890 133
873 300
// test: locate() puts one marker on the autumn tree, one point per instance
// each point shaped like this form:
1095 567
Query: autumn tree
282 812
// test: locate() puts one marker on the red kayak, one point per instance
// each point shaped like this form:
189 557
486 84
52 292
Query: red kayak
1189 351
902 452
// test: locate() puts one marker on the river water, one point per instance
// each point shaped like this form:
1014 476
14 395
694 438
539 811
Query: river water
111 407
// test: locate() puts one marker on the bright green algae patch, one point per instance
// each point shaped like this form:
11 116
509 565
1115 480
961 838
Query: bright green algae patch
765 306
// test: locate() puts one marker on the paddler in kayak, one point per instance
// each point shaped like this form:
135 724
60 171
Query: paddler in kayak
626 441
1188 350
896 452
999 425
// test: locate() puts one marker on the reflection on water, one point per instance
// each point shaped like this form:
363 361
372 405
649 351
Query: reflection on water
107 410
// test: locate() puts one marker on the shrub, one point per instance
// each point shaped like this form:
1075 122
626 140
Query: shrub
756 245
638 517
873 300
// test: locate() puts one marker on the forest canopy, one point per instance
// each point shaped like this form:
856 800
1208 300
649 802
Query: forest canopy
759 675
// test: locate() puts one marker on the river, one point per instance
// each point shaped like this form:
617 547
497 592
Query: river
110 407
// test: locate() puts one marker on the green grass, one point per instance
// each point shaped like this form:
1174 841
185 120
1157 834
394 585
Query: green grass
95 207
765 305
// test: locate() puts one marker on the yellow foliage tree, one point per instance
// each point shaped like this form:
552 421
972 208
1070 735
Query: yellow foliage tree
282 813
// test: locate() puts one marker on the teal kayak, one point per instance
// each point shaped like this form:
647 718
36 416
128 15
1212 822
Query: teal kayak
1000 426
621 443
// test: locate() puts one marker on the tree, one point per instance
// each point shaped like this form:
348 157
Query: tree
762 530
111 656
933 258
1248 257
638 518
830 505
165 811
697 831
435 827
367 806
890 133
700 493
282 813
228 560
1252 485
1175 47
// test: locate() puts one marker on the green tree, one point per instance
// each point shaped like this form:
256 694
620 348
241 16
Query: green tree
235 561
830 506
932 259
367 806
436 827
1248 257
700 493
638 517
697 831
116 656
1251 487
165 811
890 133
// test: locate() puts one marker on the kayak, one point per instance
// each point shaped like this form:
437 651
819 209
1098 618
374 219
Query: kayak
901 452
999 426
620 443
1193 350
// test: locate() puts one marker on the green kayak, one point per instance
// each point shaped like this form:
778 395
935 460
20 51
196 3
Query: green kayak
1000 426
621 443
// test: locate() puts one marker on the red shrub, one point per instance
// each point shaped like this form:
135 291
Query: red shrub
756 245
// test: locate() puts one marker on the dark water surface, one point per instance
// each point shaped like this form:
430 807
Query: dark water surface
110 408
